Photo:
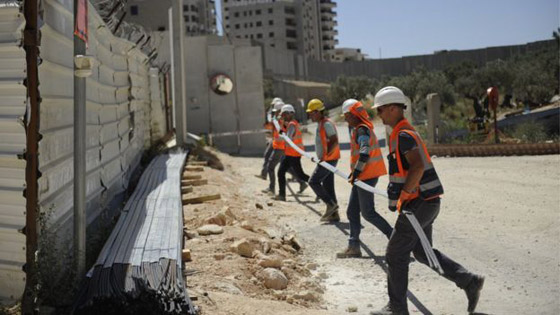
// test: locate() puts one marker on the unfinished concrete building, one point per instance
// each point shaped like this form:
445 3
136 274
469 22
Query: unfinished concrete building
303 26
199 15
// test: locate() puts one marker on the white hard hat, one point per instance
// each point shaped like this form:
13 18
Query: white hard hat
389 95
287 109
274 100
278 106
347 104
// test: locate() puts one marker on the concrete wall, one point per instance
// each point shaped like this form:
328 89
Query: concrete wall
282 64
241 110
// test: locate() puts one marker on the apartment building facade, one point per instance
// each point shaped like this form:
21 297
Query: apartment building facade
199 15
307 27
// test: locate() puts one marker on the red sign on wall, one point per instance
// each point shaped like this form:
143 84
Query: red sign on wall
80 29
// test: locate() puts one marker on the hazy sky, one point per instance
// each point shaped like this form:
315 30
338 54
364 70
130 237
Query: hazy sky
414 27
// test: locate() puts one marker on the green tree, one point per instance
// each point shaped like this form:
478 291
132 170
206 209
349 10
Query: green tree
351 87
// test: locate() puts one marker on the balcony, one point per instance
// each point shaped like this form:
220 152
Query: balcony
327 4
330 23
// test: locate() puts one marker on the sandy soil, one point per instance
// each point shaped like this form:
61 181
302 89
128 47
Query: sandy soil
499 218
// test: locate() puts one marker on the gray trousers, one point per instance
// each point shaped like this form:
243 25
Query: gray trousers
275 158
267 153
361 202
404 240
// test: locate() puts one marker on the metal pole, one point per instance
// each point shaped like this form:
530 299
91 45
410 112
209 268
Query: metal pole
178 58
79 159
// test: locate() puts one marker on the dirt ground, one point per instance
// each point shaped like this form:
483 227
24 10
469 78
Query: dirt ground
499 218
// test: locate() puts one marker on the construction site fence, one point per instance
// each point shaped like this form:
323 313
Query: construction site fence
126 114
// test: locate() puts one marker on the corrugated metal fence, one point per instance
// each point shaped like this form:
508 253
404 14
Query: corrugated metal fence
122 94
12 148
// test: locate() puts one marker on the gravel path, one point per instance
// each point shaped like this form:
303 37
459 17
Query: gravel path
499 217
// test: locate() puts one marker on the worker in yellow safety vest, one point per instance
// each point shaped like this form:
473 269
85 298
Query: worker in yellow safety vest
414 186
366 165
292 158
328 150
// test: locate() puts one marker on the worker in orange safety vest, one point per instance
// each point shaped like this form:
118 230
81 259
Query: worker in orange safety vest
269 127
413 186
292 158
366 164
328 150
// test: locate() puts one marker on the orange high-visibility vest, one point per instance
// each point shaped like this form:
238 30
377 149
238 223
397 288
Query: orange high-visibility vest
296 139
430 186
269 126
335 154
374 167
277 142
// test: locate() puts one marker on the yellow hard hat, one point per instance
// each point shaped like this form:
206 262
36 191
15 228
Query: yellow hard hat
315 104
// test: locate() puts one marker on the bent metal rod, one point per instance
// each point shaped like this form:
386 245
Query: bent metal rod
430 254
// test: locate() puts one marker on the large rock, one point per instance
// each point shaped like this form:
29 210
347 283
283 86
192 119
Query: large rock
305 295
243 247
247 226
270 262
228 213
210 229
273 279
218 219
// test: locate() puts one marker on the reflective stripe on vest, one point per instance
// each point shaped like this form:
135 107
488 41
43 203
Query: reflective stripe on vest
296 138
335 154
430 185
374 167
277 142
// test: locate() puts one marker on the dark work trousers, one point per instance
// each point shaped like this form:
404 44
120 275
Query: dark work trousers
293 163
405 240
322 183
267 153
275 158
361 201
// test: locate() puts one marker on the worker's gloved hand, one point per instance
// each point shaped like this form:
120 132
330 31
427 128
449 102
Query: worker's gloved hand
405 197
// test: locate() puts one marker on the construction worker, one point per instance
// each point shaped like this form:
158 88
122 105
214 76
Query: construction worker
366 164
278 146
328 150
269 126
292 159
413 185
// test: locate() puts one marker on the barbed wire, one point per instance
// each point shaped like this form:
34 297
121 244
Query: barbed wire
113 13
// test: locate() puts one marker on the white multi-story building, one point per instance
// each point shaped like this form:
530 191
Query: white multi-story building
304 26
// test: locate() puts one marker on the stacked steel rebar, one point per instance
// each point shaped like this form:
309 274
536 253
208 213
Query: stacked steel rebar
139 269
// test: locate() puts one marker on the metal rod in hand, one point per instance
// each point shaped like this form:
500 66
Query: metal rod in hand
430 254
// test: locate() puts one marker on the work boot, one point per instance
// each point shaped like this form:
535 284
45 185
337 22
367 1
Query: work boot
302 186
280 198
473 291
268 191
334 218
331 209
261 176
389 310
350 252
